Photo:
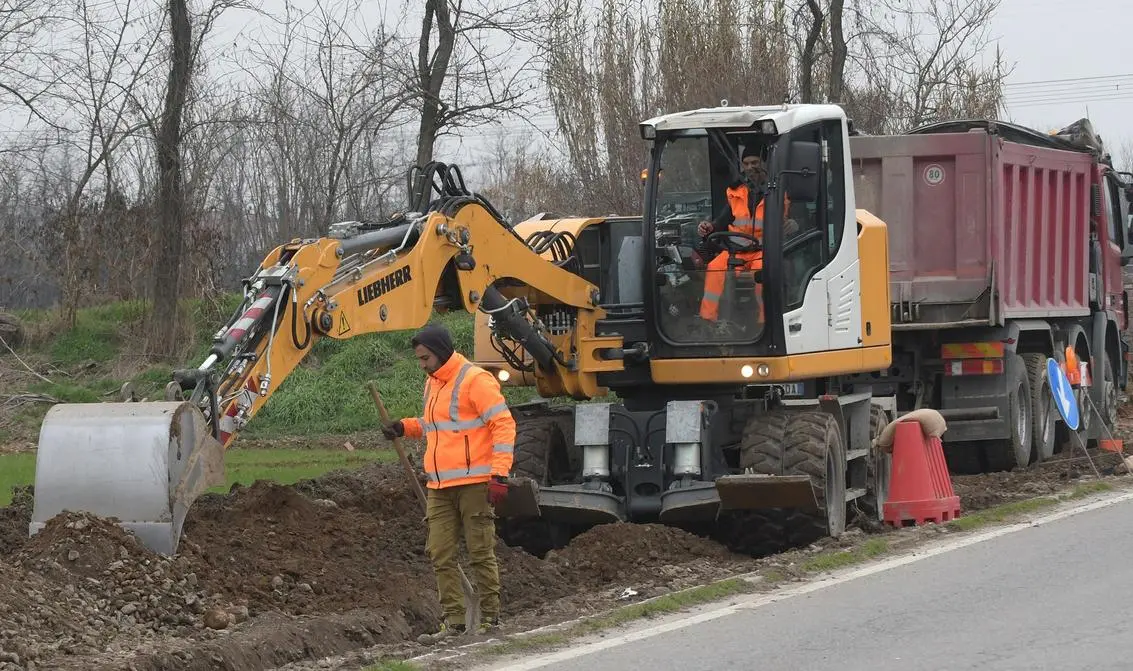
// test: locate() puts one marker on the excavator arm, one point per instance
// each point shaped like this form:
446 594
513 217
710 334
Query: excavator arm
457 253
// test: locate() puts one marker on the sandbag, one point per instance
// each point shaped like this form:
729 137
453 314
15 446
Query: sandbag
932 425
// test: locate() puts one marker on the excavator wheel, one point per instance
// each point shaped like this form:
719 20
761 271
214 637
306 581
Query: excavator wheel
792 442
143 463
540 449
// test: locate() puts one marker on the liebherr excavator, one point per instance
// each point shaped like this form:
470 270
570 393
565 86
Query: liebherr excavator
703 428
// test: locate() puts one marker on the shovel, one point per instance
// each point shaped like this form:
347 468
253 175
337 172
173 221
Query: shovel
471 601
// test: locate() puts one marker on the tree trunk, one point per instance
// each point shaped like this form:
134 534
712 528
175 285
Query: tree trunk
170 196
806 85
837 53
431 75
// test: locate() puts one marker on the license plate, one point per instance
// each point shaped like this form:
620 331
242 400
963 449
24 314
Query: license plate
792 389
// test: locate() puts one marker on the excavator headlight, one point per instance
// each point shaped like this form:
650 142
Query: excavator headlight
746 370
648 131
767 127
503 375
763 369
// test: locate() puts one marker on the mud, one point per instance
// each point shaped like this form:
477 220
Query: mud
269 575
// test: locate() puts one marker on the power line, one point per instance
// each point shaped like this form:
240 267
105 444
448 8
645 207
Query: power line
1068 80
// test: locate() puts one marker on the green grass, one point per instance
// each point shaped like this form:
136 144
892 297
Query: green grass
830 561
288 466
16 470
285 466
1000 513
394 665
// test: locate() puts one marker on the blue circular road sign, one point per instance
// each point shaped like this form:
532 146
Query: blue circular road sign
1063 394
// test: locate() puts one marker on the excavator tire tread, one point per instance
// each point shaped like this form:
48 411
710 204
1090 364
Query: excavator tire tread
784 442
535 438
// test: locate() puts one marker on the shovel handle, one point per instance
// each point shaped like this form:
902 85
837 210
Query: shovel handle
401 455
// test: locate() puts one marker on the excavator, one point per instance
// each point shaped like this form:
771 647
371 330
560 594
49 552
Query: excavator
759 420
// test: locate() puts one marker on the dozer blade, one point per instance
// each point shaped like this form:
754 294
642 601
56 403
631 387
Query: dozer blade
755 492
522 499
142 463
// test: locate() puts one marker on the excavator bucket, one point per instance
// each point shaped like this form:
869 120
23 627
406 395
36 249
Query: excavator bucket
141 463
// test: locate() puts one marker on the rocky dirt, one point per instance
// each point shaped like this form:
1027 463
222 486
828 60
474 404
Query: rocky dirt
269 575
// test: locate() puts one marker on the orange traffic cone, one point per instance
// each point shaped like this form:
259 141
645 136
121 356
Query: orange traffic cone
920 489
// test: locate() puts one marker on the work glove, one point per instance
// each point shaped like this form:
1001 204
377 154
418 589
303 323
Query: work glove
393 430
497 490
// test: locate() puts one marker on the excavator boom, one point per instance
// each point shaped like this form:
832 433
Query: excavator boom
145 463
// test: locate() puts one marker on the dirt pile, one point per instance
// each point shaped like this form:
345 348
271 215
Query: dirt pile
633 553
348 540
83 583
14 521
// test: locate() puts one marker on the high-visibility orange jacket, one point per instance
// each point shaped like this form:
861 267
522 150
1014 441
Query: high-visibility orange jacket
742 219
468 429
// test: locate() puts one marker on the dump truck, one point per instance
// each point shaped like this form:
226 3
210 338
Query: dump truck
680 418
1006 247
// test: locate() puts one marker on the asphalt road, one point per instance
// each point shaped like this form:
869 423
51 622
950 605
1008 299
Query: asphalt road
1057 596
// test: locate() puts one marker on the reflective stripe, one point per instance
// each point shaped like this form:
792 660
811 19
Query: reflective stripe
709 296
459 425
507 448
454 403
457 473
493 411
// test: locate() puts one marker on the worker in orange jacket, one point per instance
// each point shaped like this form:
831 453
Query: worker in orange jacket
470 436
739 218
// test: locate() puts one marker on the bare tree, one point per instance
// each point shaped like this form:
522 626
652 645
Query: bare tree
170 195
470 69
923 61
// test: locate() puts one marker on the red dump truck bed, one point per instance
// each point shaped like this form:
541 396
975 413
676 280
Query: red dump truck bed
970 210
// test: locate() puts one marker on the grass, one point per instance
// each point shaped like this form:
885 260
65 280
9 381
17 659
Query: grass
831 561
394 665
16 470
285 466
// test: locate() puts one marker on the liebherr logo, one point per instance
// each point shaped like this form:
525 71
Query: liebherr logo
380 287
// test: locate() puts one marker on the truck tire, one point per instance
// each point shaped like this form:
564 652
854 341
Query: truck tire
1043 412
1109 393
871 506
794 442
539 441
1013 452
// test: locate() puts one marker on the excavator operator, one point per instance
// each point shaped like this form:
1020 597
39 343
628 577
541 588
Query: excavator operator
470 437
738 217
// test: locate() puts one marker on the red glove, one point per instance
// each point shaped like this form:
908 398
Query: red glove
497 490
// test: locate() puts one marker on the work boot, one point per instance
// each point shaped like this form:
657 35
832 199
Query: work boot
488 625
446 630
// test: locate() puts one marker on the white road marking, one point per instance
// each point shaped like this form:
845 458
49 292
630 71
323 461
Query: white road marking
708 613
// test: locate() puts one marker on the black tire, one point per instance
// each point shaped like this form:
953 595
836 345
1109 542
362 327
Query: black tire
1109 393
1014 452
540 454
871 506
1043 412
793 442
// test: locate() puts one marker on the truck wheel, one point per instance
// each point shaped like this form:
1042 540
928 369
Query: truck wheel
539 442
1004 455
871 506
795 443
1109 393
1042 408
